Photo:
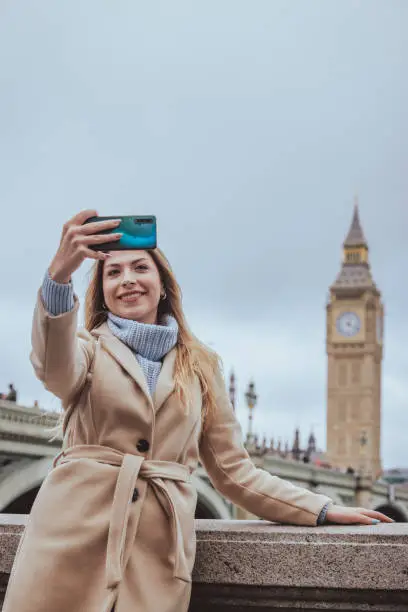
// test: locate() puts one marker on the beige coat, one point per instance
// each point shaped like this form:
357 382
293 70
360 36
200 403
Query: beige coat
113 522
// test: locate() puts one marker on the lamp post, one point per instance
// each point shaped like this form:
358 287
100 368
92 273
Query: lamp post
232 390
251 399
363 444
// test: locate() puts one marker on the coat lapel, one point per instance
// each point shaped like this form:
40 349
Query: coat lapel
165 381
126 358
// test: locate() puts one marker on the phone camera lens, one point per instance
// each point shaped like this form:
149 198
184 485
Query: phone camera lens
141 221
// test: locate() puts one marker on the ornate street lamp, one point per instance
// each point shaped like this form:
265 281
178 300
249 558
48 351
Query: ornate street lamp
363 444
232 390
251 399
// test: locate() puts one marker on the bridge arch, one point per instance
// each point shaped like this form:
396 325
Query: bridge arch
394 510
19 489
23 484
210 505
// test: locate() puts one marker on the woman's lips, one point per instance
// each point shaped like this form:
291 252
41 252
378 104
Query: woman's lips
131 297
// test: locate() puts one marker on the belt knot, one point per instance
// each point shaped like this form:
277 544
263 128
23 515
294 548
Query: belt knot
130 468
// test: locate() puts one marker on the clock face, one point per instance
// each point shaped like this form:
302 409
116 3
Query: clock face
348 324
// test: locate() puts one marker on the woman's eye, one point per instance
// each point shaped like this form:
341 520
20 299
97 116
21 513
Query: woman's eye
139 267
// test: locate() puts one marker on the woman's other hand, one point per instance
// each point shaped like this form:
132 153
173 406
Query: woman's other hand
75 241
343 515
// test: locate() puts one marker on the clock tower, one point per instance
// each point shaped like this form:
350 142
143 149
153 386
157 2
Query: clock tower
355 318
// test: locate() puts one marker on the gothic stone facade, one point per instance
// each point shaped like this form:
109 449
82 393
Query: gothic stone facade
355 317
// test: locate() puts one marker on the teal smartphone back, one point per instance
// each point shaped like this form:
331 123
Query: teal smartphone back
139 232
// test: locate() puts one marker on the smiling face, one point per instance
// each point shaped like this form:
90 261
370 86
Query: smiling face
132 286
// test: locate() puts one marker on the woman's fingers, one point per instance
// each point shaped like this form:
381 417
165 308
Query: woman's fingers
77 219
82 216
344 515
362 519
99 255
373 514
98 226
102 238
353 518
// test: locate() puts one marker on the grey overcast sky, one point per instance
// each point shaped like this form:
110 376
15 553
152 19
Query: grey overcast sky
247 128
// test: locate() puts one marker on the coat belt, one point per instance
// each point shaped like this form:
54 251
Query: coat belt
133 467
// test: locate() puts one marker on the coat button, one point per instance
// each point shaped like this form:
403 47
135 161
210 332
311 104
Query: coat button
143 446
135 495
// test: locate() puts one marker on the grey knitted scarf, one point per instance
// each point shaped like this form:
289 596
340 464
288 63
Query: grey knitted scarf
150 343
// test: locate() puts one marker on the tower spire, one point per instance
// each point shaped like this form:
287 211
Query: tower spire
355 273
311 443
355 236
296 445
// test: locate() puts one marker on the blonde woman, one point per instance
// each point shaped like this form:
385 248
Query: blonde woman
144 401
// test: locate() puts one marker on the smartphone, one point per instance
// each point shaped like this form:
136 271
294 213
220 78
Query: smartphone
139 232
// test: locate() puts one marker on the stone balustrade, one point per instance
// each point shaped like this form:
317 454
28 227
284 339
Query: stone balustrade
254 565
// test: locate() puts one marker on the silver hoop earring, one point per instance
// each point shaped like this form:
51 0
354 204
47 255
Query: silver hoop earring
163 296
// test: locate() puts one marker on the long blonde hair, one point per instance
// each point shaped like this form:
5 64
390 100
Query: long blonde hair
192 358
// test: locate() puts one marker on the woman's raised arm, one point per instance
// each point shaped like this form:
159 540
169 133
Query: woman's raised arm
60 355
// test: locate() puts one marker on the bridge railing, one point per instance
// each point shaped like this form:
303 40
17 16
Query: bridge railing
250 565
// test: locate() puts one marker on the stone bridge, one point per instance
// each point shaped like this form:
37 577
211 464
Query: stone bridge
26 455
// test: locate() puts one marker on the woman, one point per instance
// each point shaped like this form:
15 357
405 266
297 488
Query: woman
113 524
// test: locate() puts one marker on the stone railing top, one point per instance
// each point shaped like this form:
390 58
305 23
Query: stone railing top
262 554
16 407
400 490
259 553
18 521
27 414
249 565
263 530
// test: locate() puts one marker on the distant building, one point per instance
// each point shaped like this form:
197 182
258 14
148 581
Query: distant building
355 321
396 476
354 344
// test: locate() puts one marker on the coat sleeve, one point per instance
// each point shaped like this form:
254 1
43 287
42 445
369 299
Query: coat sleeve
60 355
233 474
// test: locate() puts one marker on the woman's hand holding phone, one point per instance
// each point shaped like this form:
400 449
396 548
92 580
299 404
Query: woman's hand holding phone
75 241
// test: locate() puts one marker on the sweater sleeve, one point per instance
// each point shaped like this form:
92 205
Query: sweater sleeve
321 519
58 298
61 355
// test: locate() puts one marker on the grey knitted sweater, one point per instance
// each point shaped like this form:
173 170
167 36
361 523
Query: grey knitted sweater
149 343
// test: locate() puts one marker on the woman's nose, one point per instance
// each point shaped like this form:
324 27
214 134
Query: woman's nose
127 279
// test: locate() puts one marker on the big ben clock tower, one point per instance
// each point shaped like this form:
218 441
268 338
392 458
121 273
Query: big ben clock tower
355 317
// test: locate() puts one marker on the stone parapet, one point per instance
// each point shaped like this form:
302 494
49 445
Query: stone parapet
249 565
